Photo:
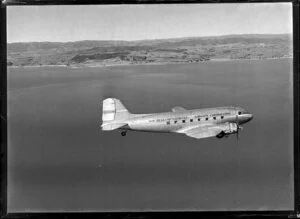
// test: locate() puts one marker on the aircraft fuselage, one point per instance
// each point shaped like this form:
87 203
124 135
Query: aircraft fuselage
172 121
196 123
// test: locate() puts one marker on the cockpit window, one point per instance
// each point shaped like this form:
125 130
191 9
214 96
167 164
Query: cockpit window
242 112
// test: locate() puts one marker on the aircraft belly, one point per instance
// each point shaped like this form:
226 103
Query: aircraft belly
151 127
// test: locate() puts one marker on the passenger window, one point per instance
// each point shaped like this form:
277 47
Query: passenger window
214 118
206 118
168 122
222 117
240 113
175 122
183 121
198 119
191 120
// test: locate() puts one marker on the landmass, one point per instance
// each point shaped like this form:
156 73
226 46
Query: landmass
177 50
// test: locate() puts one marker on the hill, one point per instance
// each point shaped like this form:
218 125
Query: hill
177 50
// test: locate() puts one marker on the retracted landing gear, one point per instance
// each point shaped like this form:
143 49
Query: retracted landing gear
123 133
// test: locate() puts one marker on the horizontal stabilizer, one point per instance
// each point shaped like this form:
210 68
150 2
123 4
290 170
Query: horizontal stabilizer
112 126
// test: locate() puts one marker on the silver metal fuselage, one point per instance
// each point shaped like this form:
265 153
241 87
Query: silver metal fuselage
173 121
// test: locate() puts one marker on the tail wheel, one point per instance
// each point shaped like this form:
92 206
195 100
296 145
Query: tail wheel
123 133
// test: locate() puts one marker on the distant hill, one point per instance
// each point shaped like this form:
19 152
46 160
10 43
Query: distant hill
177 50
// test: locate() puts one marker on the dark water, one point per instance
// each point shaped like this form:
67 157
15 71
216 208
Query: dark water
60 160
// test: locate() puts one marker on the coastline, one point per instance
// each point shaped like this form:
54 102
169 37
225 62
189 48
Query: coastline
101 65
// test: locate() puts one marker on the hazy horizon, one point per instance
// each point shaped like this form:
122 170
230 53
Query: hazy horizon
177 38
145 22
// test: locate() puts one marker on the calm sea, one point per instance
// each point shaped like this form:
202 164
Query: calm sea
60 160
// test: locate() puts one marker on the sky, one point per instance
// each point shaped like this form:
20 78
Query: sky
66 23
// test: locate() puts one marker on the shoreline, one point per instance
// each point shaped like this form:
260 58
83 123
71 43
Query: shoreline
97 65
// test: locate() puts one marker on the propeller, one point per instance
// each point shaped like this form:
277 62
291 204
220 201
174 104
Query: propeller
238 127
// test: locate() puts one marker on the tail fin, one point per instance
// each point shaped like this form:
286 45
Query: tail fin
114 114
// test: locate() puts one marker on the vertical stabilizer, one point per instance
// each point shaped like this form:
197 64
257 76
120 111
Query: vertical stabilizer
113 112
108 110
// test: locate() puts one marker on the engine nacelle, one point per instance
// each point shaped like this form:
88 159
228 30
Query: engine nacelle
231 128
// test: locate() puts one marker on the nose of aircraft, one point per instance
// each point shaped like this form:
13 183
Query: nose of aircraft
250 117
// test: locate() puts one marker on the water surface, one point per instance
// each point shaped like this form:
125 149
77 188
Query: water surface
60 160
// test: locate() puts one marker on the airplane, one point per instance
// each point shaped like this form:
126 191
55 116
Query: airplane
197 123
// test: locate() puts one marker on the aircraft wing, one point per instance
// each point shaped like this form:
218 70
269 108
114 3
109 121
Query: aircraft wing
178 109
203 131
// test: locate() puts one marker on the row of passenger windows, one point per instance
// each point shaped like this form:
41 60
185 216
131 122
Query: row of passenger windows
191 120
